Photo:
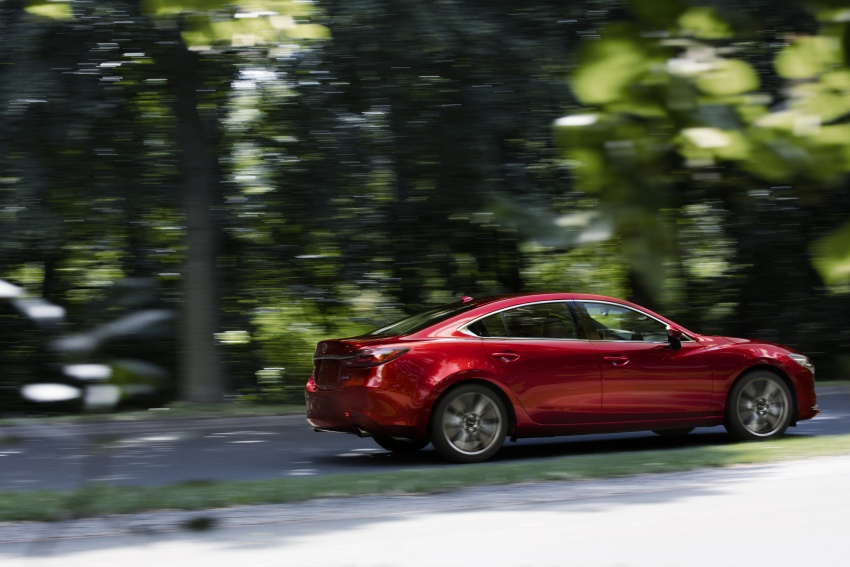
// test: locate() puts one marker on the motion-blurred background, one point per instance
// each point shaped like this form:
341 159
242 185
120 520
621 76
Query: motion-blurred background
194 192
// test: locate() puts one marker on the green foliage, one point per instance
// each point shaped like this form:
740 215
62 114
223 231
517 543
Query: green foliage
809 57
592 268
831 256
728 77
50 9
661 15
675 122
703 22
215 23
610 68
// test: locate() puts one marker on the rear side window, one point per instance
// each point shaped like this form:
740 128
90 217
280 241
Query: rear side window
419 321
536 321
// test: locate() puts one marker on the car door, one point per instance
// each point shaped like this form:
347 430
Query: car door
537 352
643 377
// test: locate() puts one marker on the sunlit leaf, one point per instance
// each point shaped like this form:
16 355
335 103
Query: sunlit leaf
838 80
54 10
308 31
176 7
246 9
818 100
831 256
704 23
728 77
808 57
737 148
589 167
242 32
835 11
609 66
713 143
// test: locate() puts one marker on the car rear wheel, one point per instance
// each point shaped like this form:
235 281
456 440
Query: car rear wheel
469 424
401 444
759 407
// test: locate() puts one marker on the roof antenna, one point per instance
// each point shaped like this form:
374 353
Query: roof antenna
465 299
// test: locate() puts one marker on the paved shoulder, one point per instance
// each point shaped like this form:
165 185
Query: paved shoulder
642 520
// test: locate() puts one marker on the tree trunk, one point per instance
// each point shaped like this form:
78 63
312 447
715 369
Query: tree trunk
201 374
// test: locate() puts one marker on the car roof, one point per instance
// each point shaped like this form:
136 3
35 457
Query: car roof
479 307
544 296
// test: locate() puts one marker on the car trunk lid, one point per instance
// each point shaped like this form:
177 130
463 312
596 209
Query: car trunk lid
331 356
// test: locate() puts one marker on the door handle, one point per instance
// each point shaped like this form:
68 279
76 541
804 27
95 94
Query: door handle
505 356
616 360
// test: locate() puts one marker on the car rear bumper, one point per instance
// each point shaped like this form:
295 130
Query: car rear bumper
361 411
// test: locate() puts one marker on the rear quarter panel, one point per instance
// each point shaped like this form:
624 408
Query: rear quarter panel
440 364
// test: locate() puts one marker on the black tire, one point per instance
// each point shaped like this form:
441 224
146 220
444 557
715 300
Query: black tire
469 424
676 432
401 444
759 407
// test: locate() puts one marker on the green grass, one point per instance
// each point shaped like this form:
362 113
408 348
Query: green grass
102 500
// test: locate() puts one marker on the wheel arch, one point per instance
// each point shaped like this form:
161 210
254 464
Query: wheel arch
782 375
493 386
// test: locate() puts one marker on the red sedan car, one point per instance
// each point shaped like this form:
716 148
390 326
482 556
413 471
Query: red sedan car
465 376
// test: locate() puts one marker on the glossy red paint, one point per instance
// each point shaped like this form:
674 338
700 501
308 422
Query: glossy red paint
550 364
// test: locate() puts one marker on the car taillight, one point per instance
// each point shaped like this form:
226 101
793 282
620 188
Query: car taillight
374 356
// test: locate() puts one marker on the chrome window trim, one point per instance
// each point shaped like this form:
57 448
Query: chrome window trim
465 328
685 337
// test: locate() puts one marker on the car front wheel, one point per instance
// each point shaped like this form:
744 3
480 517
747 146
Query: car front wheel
469 425
759 407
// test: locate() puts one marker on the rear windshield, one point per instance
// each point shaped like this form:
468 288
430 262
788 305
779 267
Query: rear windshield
419 321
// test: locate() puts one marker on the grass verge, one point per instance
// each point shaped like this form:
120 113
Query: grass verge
100 500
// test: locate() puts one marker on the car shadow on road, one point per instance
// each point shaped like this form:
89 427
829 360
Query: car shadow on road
531 449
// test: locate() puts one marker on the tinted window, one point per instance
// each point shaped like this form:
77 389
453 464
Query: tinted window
492 326
537 321
617 323
421 320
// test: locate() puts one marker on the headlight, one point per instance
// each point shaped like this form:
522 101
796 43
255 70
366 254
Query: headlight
803 361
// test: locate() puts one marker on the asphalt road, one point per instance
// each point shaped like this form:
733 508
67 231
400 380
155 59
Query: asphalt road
65 456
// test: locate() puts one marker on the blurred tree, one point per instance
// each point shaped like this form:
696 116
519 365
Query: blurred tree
679 123
208 26
428 115
120 85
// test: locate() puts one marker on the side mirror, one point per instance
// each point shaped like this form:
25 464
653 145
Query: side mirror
674 337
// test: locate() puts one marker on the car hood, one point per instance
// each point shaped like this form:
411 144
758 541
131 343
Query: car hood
718 340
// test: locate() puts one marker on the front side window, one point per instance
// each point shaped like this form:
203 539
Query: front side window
618 323
536 321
